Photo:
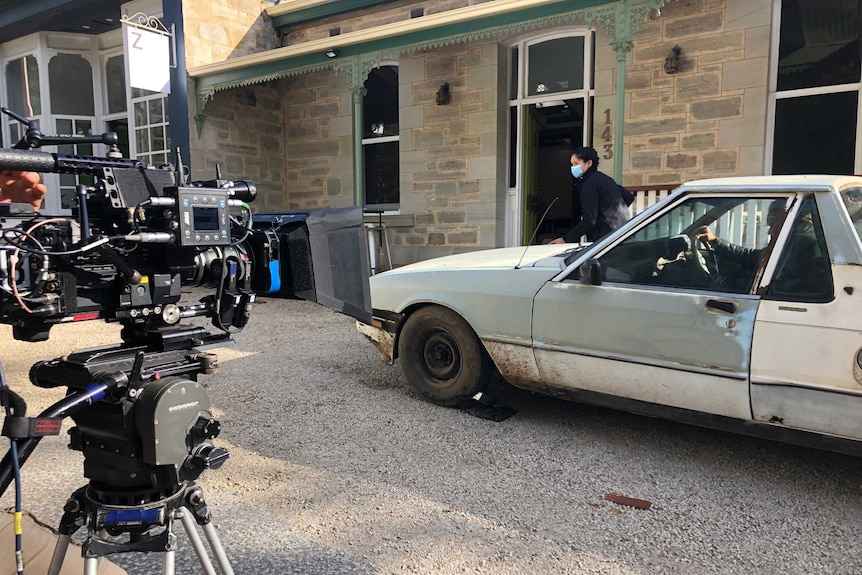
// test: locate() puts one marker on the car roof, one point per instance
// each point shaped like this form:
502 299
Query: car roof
773 183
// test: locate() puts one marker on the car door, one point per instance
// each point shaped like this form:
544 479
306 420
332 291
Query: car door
807 352
663 326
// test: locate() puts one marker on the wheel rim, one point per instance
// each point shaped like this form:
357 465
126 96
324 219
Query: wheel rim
441 356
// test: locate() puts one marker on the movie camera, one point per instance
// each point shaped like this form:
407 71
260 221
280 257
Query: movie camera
136 236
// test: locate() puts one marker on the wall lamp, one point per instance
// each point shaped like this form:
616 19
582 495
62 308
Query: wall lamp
331 53
443 95
671 63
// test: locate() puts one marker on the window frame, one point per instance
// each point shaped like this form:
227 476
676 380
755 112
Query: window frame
148 127
392 208
774 95
787 252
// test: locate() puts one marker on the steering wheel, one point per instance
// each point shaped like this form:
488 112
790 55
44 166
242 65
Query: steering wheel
703 256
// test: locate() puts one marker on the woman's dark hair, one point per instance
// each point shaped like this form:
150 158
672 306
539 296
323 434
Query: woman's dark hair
585 153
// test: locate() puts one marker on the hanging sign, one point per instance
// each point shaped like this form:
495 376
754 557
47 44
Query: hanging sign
148 58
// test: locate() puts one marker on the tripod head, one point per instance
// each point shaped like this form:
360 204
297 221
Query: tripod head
152 430
144 423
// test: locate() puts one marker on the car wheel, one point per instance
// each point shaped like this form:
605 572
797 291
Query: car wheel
441 357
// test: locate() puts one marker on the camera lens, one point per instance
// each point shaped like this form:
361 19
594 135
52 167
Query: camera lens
243 190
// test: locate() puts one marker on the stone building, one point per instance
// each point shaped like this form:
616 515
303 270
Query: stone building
456 118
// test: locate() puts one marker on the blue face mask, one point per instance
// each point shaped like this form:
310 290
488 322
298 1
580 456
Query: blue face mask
577 171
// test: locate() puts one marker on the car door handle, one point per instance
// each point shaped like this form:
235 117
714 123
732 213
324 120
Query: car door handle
730 307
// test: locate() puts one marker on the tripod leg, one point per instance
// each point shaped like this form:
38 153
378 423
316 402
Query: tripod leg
197 506
59 554
72 512
91 566
218 551
196 542
168 563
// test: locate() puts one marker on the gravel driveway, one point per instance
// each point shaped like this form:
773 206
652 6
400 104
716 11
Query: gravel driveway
337 467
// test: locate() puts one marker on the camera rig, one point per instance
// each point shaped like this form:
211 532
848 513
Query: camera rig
136 237
139 235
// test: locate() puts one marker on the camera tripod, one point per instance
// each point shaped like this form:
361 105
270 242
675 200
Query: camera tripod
145 427
148 526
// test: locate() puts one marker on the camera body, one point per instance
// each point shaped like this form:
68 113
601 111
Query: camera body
138 238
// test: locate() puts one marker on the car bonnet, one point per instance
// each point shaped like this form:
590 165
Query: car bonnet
496 258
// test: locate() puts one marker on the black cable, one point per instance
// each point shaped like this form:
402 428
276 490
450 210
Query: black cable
248 230
26 249
59 410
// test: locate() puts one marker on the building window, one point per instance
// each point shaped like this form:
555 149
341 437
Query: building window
70 77
115 100
22 86
23 95
380 139
115 84
73 108
152 131
549 72
816 88
74 127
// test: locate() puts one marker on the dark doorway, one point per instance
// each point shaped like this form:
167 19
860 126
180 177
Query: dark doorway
557 128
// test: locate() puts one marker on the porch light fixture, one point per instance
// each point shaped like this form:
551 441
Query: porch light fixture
671 63
443 95
331 53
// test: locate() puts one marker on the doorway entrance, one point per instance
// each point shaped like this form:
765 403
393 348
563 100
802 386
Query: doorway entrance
550 97
552 130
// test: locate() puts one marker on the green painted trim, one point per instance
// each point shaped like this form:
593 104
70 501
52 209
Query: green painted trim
322 11
358 150
265 72
501 25
623 17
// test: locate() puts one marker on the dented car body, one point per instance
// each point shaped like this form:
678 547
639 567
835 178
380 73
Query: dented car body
734 303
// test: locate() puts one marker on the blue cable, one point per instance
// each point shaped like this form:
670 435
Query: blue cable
16 468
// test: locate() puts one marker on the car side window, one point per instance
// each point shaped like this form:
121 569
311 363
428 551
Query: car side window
804 272
711 243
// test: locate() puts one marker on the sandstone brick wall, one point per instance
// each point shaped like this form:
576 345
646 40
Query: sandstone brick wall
318 124
450 155
707 120
292 137
244 134
216 30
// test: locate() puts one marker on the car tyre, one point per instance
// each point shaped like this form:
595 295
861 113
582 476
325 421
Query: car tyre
441 357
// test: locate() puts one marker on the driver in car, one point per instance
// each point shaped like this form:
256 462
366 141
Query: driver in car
746 258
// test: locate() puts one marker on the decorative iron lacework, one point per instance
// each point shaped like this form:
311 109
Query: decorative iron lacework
141 20
620 20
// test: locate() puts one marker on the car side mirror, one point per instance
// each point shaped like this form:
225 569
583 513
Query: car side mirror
591 272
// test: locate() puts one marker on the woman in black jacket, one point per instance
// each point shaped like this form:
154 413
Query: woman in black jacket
604 203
